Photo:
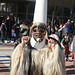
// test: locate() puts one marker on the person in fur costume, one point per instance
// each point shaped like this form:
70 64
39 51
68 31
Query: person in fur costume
27 60
32 56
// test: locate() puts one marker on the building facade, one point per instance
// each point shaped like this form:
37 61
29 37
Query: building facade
24 9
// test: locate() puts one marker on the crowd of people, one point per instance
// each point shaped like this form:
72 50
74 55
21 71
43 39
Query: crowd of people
65 32
11 30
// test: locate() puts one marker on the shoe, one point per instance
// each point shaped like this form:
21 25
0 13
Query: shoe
9 41
5 41
12 41
67 59
0 42
15 42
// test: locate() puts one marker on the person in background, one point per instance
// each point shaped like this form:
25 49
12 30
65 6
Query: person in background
72 28
57 32
66 42
64 30
73 54
68 26
72 49
17 29
9 24
48 28
57 21
3 31
13 32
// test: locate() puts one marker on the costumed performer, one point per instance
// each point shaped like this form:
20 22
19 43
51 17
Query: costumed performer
32 56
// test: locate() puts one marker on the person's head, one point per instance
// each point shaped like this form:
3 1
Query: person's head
57 17
3 21
48 24
61 26
38 31
56 28
51 42
72 21
68 20
8 17
18 22
66 35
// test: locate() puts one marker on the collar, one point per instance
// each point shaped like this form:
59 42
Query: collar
37 45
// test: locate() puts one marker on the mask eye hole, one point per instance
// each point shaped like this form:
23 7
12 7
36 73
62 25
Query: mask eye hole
34 30
42 31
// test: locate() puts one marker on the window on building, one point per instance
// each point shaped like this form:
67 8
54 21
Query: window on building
3 7
74 14
50 10
59 2
67 3
11 7
67 12
31 7
22 16
22 7
58 11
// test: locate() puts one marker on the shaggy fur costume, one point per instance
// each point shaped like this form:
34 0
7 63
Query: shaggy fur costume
30 61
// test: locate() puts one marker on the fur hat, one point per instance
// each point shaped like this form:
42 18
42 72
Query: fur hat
23 26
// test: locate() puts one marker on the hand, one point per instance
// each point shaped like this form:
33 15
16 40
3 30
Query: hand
25 39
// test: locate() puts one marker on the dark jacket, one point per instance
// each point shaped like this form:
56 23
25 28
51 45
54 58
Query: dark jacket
8 24
74 29
3 27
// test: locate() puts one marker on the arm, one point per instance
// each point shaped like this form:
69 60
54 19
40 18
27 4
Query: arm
19 57
18 50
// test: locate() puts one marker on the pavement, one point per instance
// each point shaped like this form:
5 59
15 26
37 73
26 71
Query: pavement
6 51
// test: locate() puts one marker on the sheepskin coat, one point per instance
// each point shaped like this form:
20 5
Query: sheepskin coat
30 61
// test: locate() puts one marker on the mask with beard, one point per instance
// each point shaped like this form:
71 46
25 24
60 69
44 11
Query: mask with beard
38 31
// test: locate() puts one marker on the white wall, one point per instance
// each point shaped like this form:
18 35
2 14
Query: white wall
0 7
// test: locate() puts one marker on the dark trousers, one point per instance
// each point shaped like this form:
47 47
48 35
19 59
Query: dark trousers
8 34
3 35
